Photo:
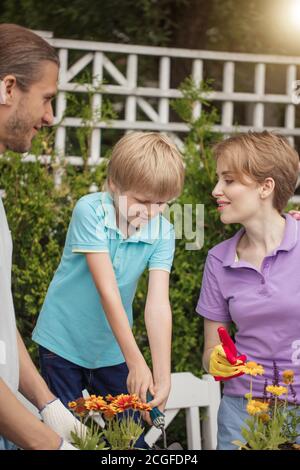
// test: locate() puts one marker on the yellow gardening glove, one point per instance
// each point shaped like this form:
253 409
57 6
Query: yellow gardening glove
220 367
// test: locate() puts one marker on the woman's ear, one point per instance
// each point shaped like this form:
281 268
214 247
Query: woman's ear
267 188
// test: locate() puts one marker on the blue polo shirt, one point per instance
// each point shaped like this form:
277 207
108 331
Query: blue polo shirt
72 322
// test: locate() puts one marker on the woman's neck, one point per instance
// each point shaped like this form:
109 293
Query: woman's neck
263 234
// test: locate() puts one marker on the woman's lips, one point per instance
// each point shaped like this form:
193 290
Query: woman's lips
222 205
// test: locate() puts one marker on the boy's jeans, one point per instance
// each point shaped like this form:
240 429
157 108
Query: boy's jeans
6 445
67 380
231 418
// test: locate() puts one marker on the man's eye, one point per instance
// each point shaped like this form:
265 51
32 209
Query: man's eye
228 181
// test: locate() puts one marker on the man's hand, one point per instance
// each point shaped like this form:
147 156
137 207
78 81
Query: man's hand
62 421
295 214
140 380
224 361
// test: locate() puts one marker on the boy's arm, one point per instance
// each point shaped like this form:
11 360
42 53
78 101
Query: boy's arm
158 319
139 379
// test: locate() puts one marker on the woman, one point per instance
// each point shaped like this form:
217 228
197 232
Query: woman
253 278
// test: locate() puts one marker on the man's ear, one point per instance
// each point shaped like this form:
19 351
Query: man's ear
7 88
2 92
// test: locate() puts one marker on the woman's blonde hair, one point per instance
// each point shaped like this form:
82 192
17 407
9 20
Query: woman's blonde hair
261 155
147 163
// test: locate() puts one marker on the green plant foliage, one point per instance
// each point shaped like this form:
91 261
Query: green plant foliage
39 214
127 21
188 264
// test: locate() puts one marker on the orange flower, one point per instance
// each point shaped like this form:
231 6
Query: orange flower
109 412
78 407
109 398
288 376
142 407
125 402
264 417
94 403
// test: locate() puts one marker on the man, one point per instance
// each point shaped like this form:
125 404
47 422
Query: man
28 82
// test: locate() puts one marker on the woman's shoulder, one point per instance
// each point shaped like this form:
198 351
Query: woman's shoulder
226 247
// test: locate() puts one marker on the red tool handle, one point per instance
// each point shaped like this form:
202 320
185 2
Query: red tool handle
230 351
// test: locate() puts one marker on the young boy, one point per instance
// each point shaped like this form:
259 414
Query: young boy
84 329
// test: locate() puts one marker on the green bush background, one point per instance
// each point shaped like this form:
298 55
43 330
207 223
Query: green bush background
39 214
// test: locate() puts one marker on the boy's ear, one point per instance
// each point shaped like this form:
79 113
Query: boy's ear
111 186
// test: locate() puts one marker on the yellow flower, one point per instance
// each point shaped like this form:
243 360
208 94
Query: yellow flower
72 404
276 390
288 376
252 368
255 407
248 396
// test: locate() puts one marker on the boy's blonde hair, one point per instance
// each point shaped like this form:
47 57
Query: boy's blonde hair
261 155
147 163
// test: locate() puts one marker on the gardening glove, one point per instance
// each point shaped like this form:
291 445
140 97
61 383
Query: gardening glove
61 420
224 360
66 446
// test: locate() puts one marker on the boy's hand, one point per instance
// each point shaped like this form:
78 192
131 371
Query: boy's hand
160 398
140 380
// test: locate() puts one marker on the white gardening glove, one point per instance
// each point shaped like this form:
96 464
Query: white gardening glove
61 420
66 446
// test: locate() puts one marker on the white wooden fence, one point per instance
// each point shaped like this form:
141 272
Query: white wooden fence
105 59
119 64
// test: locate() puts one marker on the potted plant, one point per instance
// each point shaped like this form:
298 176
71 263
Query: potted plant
118 434
273 421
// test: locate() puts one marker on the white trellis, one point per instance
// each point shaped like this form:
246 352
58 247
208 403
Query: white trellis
126 84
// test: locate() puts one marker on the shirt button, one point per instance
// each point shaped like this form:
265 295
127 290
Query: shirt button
267 265
262 281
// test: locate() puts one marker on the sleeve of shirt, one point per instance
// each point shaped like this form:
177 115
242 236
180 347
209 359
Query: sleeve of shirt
87 229
211 303
162 256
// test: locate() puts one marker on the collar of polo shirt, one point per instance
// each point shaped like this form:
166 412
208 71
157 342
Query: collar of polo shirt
287 244
147 234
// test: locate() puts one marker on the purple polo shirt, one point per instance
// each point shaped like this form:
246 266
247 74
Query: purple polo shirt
264 305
